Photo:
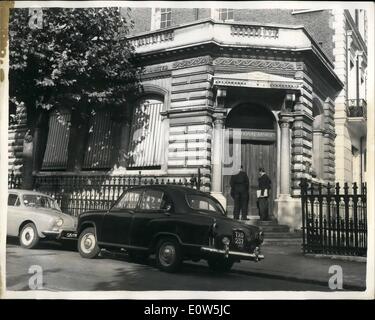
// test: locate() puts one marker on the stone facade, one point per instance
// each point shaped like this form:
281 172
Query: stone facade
203 71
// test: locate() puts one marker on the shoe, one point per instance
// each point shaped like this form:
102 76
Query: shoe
245 219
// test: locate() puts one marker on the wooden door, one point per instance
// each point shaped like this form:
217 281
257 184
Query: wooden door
254 154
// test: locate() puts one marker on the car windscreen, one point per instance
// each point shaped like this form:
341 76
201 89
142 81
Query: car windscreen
32 200
202 203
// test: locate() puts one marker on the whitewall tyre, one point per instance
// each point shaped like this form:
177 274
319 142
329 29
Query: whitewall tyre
29 237
87 244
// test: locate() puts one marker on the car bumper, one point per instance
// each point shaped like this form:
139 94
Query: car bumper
61 235
256 256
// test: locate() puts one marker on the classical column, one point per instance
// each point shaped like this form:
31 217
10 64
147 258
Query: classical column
285 176
217 159
217 153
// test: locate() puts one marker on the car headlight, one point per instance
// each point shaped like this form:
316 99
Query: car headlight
261 236
59 222
226 241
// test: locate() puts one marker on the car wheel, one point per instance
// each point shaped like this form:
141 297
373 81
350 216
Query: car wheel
168 255
29 237
220 265
88 244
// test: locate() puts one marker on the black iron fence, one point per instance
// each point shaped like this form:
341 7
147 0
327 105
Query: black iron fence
334 219
14 181
76 194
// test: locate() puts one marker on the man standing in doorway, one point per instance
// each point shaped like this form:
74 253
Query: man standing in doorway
239 184
264 187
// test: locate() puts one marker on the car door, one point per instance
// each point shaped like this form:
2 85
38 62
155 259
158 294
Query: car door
150 217
14 215
117 221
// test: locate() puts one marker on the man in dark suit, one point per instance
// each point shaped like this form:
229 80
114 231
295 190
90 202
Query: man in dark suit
264 187
240 193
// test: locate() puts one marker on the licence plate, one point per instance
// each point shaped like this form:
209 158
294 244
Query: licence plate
70 235
239 238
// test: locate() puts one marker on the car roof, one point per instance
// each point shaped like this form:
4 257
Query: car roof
170 188
176 192
24 191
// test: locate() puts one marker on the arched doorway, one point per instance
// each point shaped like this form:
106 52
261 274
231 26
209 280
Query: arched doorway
255 125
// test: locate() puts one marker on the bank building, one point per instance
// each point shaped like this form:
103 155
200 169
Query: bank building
280 89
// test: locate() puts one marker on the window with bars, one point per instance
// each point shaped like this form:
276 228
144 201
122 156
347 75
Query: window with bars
56 153
101 140
146 145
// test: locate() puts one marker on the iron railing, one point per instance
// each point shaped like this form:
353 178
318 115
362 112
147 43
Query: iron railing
334 219
78 193
356 108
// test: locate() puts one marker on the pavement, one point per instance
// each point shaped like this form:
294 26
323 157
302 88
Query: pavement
284 268
289 263
63 270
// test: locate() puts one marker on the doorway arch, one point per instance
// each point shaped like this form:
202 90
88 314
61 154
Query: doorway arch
256 126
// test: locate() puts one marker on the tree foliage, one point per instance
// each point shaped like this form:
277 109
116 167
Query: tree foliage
77 57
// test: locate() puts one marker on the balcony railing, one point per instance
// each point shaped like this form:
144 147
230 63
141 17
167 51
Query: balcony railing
356 108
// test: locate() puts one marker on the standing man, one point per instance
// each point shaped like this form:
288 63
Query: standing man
239 184
264 187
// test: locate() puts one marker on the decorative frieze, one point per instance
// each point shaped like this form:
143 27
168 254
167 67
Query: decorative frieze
193 62
256 63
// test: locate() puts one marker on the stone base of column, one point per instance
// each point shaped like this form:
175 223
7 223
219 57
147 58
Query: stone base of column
220 197
253 220
289 211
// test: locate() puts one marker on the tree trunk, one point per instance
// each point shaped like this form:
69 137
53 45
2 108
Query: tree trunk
34 146
77 139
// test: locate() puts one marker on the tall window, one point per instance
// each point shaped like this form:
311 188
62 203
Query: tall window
146 145
318 140
161 18
100 138
56 155
165 17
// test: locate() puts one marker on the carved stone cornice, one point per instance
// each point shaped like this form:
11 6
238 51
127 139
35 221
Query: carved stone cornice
256 63
192 62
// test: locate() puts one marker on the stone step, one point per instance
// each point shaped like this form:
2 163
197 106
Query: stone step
267 223
283 235
282 242
274 228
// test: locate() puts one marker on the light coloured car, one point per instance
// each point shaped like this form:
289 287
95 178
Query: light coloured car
33 216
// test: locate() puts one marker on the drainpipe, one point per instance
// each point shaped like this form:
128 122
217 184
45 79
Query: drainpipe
357 81
361 159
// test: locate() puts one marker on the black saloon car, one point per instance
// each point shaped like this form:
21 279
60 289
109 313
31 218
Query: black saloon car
175 223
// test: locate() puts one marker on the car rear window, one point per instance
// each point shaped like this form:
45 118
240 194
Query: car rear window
32 200
129 200
200 202
151 200
13 200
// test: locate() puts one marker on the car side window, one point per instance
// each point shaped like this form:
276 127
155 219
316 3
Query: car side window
129 200
152 200
13 200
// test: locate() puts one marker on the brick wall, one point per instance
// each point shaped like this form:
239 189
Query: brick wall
318 24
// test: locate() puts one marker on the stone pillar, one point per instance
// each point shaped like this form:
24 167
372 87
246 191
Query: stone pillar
286 206
285 176
217 159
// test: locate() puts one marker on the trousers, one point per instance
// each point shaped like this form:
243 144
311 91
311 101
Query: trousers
241 200
263 208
